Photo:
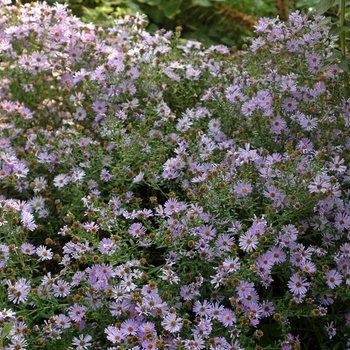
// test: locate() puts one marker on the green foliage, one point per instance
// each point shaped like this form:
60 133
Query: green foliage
341 27
210 21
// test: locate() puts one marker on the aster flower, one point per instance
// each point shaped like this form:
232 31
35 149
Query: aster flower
308 267
77 312
61 289
40 184
333 278
231 264
298 285
243 189
146 327
172 323
248 242
227 317
18 292
202 309
137 230
107 246
18 342
83 342
80 114
5 143
28 249
308 123
114 334
63 321
44 253
224 242
37 203
330 329
289 104
129 327
61 180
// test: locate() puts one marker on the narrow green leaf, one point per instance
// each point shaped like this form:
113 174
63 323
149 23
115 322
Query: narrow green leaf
323 6
6 330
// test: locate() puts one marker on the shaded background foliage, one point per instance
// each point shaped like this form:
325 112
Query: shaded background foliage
212 22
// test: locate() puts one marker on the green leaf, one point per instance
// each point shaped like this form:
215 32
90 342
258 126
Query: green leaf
335 55
6 330
172 8
324 22
202 3
344 65
334 31
155 14
323 6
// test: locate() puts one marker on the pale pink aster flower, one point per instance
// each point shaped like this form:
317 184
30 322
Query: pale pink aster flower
28 249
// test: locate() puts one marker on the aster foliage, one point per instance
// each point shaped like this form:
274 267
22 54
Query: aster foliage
161 195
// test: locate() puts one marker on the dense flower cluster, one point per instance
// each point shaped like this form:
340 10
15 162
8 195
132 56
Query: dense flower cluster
158 195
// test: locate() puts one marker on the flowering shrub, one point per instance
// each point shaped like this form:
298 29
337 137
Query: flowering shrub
159 195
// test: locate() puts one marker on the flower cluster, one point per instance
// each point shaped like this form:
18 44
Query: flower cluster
159 195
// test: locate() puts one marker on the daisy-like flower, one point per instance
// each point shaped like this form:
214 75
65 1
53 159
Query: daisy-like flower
330 329
37 203
5 143
308 266
202 309
62 321
172 323
248 242
107 246
114 335
18 292
227 317
44 253
61 289
61 180
28 249
80 114
243 189
39 184
289 104
83 342
308 123
298 285
129 327
77 312
18 342
137 230
231 264
27 220
337 165
333 278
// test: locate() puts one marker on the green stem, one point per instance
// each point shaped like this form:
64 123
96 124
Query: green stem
343 40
